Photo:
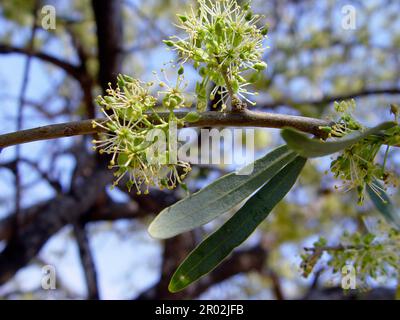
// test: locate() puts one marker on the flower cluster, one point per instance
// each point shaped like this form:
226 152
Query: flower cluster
356 165
346 123
373 255
173 94
223 41
129 136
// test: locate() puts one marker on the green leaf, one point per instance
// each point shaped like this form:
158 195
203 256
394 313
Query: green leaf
383 204
214 249
218 197
309 148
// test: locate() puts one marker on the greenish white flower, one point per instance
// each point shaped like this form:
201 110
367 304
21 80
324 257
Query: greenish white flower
173 95
224 42
127 128
356 165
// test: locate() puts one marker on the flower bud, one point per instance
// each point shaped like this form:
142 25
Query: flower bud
260 66
169 43
248 16
182 18
265 30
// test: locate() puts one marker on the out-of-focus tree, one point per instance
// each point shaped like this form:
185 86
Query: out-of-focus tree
57 190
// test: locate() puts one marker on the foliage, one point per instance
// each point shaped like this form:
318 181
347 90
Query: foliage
312 148
236 230
219 197
372 254
356 166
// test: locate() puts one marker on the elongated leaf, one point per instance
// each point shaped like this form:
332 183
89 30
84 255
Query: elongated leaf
214 249
384 205
311 148
218 197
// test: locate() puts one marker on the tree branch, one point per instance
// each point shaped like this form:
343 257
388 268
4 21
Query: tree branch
246 118
69 68
53 215
88 204
88 264
330 99
20 109
79 73
109 29
11 165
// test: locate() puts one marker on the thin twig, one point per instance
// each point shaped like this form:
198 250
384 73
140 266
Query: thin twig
246 118
20 111
87 260
339 247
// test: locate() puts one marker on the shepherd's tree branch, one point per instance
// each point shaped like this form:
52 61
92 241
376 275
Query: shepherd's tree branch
212 118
